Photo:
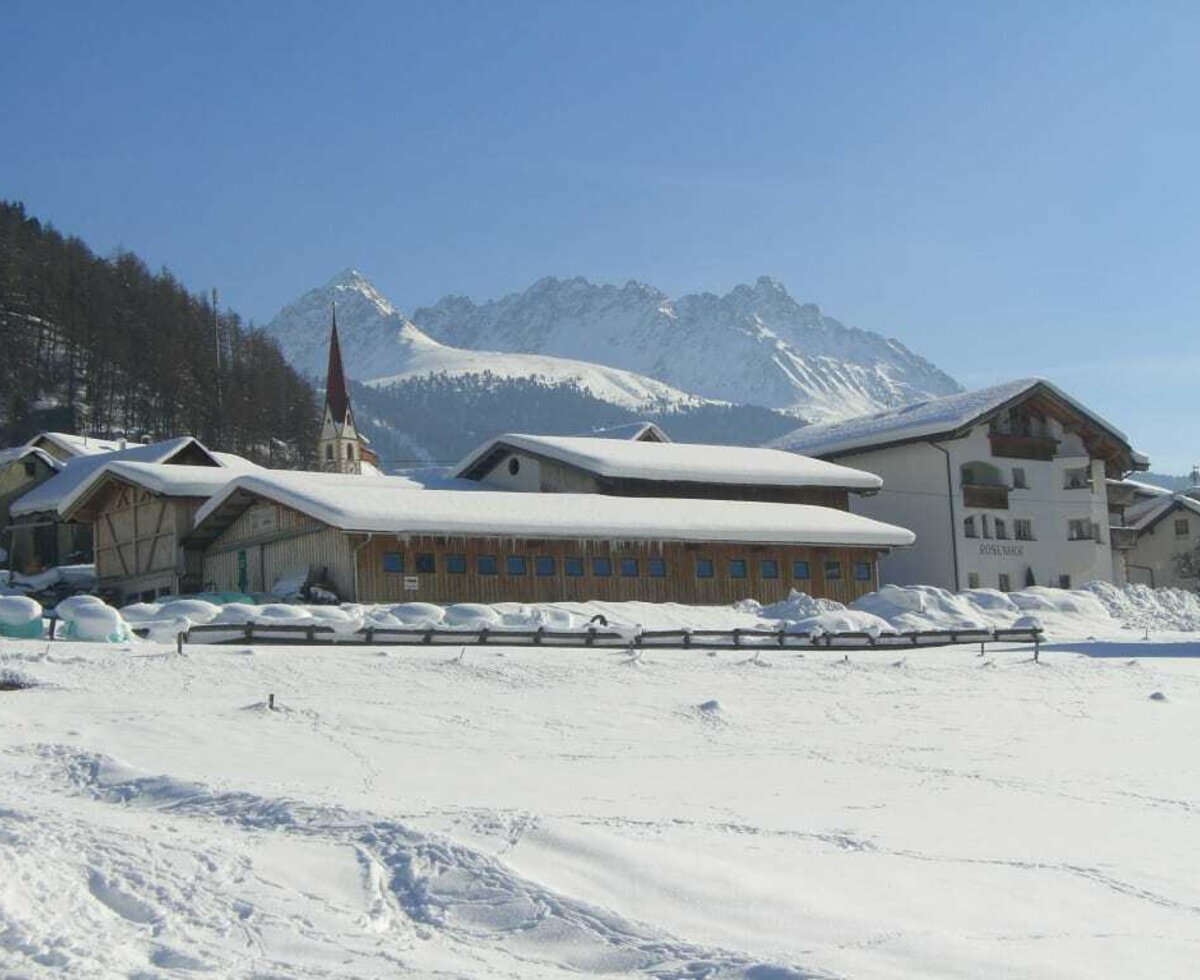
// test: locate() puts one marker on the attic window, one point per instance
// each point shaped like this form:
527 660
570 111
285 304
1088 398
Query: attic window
514 466
30 468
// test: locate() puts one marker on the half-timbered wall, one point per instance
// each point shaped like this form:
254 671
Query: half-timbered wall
137 535
390 568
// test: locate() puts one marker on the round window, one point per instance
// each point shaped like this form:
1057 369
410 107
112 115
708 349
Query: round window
514 466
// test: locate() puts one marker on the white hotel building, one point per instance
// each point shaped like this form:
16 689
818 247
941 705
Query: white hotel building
1005 487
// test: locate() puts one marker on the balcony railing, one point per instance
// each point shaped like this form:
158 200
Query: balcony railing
987 495
1122 538
1011 446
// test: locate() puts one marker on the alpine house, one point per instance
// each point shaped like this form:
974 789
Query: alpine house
1005 487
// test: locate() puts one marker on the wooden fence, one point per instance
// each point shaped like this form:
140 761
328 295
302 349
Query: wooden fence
593 636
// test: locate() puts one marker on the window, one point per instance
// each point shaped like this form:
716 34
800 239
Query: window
456 564
656 567
573 567
602 567
1023 529
704 568
969 527
1181 528
1001 529
426 563
1005 582
1064 581
30 468
987 525
972 580
486 565
768 568
1079 530
350 451
514 466
516 565
544 565
833 571
1020 482
737 567
329 452
629 568
393 561
1075 479
800 569
862 571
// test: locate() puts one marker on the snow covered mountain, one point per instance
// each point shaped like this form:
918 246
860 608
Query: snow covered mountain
630 345
754 345
381 347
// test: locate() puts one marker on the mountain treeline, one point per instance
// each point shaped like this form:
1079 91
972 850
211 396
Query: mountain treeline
440 419
107 347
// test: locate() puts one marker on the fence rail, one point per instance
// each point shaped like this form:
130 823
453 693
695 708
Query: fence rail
682 639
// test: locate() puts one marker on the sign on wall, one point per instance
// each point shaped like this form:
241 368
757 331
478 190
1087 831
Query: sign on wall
411 583
1000 550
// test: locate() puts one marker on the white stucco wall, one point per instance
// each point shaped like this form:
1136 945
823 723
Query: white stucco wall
914 496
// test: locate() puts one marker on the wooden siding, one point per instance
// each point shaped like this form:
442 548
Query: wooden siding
837 497
680 584
137 535
277 541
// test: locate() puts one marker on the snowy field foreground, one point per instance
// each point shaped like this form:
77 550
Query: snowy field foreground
538 812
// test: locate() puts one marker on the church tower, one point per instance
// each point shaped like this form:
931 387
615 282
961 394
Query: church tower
340 449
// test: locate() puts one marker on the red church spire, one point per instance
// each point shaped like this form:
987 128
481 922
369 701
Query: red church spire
336 397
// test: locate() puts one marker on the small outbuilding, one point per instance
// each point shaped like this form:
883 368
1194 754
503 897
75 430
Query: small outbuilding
651 467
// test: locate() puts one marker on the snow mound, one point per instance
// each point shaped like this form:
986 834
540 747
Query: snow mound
20 617
85 617
1141 607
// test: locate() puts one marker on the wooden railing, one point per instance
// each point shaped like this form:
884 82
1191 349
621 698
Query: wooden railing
987 495
1011 446
592 636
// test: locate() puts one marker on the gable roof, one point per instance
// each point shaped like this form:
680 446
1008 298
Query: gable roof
671 461
937 418
1155 510
637 431
18 453
56 493
76 445
385 505
164 479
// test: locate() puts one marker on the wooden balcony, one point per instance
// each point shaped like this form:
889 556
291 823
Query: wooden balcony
1022 447
987 495
1122 538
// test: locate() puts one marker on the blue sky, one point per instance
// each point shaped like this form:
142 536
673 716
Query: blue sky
1010 189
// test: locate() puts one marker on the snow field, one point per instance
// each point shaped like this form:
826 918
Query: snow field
525 812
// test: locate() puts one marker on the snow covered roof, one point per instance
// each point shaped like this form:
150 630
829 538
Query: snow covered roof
384 505
937 417
1146 515
62 489
637 431
17 453
673 461
165 479
76 445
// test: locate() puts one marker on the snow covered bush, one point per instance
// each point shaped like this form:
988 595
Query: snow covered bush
20 617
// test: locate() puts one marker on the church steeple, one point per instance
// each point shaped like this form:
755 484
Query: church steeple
337 399
340 449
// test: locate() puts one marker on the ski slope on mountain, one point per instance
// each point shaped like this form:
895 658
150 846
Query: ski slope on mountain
499 812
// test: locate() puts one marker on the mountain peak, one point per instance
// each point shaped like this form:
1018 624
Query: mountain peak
348 278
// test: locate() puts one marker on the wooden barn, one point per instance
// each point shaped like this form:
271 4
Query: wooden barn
376 539
648 466
139 513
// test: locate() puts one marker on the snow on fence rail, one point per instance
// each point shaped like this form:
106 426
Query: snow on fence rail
592 636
